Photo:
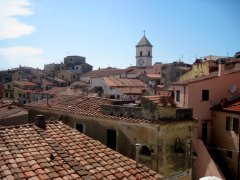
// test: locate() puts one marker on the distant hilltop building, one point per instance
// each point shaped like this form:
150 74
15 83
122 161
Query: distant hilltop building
70 70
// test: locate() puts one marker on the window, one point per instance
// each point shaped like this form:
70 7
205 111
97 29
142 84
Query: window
111 138
9 86
232 124
229 154
177 74
177 95
163 75
235 124
140 53
145 151
6 94
179 146
80 127
205 95
149 53
73 76
19 95
62 76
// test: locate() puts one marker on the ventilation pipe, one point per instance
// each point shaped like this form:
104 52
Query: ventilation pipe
137 153
221 67
40 121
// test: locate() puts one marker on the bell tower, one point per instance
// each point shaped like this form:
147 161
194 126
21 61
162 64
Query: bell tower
144 52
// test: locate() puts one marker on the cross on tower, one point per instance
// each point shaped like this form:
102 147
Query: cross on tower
144 32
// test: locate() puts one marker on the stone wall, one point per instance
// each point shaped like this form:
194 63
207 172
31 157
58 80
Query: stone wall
159 138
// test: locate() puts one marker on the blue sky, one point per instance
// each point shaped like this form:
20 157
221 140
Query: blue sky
37 32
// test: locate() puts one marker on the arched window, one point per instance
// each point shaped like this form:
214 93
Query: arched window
145 150
140 53
149 53
179 146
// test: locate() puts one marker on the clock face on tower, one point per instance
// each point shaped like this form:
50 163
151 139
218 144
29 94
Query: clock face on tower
140 61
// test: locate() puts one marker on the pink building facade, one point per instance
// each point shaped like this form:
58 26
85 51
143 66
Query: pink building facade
204 92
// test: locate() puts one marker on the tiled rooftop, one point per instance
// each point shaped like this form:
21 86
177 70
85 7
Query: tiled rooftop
85 105
60 152
7 110
104 72
11 114
161 100
131 90
25 83
229 106
153 76
120 82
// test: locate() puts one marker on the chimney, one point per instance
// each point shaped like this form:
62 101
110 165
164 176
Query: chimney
221 67
40 121
137 153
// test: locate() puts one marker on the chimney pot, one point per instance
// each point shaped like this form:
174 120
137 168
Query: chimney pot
40 121
137 153
221 67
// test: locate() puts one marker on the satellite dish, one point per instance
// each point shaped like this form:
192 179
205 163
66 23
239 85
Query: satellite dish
233 88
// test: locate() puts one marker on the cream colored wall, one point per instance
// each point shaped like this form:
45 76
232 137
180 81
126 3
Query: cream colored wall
226 139
145 57
67 76
183 96
197 70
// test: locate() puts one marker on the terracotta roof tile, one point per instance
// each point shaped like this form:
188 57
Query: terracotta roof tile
25 83
88 106
43 154
104 72
121 82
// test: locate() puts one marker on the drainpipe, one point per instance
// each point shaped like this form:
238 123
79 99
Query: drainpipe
137 153
158 129
184 94
238 173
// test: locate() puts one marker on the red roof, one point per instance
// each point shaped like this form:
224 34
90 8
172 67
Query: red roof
120 82
104 72
25 83
131 90
229 106
153 76
87 106
235 107
60 152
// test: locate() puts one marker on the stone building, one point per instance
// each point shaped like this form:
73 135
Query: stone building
70 70
164 136
200 68
171 72
118 88
53 150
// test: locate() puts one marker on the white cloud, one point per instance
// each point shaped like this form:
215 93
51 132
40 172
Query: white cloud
10 26
22 55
